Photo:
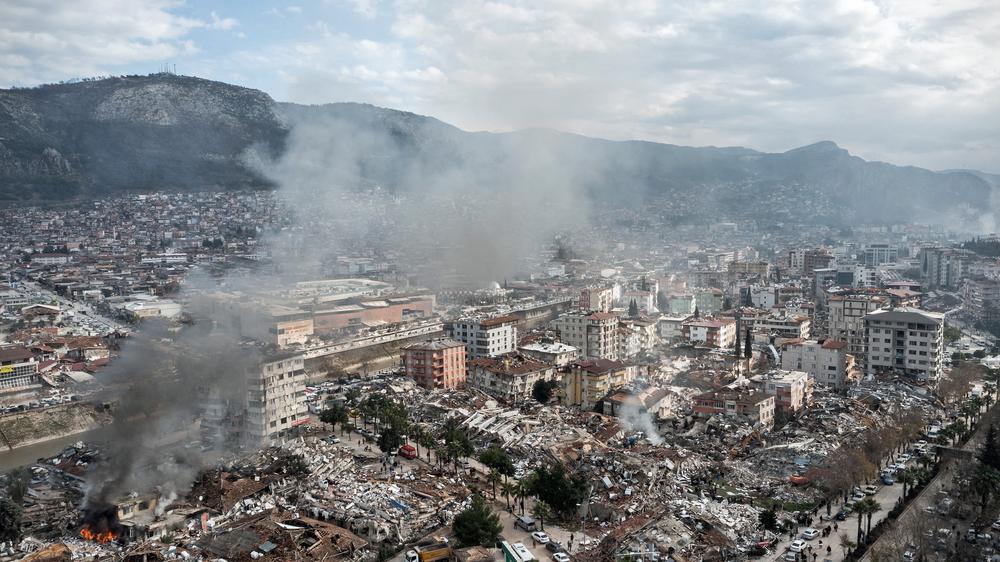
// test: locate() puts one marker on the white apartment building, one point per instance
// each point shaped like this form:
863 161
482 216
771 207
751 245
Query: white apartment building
276 399
485 337
906 340
551 352
594 334
826 361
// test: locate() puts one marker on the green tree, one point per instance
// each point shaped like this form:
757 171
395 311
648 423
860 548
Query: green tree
509 489
768 519
541 511
10 520
633 309
987 483
869 507
560 490
334 415
494 478
952 334
477 525
989 454
496 459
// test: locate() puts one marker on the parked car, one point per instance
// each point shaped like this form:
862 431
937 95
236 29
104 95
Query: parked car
524 522
540 536
798 545
887 479
810 534
870 490
553 546
560 557
412 556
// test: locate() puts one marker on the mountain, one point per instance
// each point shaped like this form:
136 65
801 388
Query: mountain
164 131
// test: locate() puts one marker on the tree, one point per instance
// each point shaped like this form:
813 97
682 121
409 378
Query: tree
542 391
870 507
496 459
952 334
477 525
10 520
334 415
633 309
768 519
559 490
509 489
845 543
989 455
541 511
696 313
494 478
748 346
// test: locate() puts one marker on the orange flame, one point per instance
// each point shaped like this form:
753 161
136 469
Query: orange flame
101 537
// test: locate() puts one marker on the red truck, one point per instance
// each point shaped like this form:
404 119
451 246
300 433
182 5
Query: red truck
407 451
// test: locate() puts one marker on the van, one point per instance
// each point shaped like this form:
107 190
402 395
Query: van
525 522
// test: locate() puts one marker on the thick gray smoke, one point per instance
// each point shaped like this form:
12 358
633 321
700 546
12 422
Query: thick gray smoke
160 387
638 419
357 176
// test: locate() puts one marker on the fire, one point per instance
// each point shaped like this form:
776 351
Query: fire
101 537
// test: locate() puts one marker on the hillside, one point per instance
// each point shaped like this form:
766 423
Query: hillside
163 131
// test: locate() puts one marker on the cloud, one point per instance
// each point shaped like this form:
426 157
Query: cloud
50 40
771 75
224 24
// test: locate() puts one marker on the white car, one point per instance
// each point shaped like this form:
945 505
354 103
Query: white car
810 534
790 557
560 557
870 490
798 545
540 536
412 556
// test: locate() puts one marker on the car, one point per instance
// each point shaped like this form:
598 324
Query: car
553 546
887 479
909 556
412 556
903 458
798 545
870 490
540 536
525 522
842 515
996 525
560 557
790 557
810 534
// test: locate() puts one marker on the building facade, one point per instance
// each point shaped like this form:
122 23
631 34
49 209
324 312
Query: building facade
710 332
276 399
594 334
908 341
510 377
18 368
587 382
596 299
826 361
485 337
436 363
846 320
755 406
792 390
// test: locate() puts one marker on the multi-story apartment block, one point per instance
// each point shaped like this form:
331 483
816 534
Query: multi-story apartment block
436 364
826 361
587 382
711 332
909 341
485 337
510 377
755 406
944 267
792 390
878 254
846 319
551 352
596 299
594 334
275 399
981 298
18 368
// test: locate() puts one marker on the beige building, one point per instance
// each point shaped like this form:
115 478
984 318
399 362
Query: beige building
276 399
792 390
596 299
594 334
909 341
551 352
587 382
18 368
826 361
510 377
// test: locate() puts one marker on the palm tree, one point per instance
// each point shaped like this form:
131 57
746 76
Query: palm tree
870 507
508 489
905 477
494 478
415 433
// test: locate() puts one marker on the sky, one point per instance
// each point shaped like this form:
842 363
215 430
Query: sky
913 82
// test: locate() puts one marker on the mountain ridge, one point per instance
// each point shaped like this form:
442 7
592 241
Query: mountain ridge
163 131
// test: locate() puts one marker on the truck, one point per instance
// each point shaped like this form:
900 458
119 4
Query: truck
433 552
407 451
